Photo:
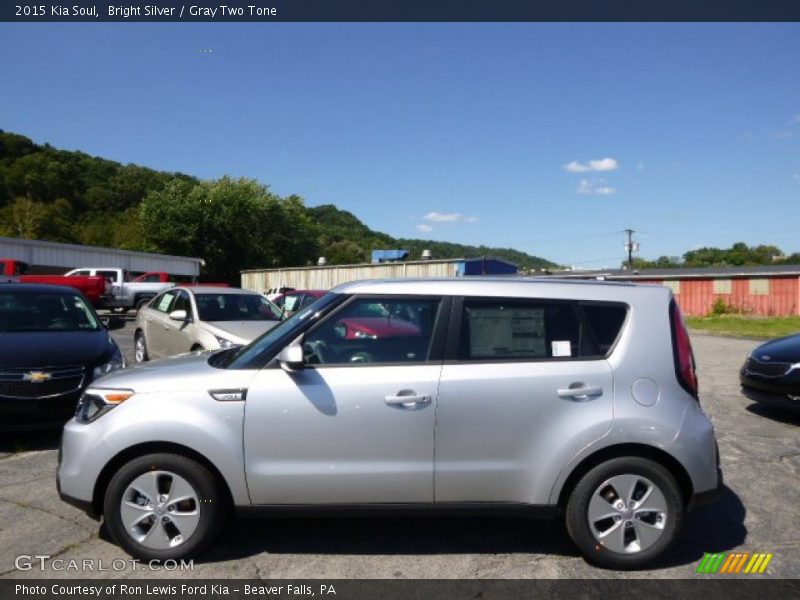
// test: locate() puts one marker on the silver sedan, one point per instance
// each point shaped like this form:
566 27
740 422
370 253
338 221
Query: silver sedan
187 319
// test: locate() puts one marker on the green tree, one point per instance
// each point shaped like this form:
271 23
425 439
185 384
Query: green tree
233 224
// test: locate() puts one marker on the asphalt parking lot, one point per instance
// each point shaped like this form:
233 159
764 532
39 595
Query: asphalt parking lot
758 512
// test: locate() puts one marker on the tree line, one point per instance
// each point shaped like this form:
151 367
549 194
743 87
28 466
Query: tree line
234 224
738 255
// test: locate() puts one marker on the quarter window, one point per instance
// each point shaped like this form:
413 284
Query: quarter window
370 330
164 302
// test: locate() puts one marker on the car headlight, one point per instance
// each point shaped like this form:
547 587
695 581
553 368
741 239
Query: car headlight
94 403
117 362
225 343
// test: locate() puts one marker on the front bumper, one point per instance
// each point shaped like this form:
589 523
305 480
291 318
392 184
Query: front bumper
81 458
775 399
23 414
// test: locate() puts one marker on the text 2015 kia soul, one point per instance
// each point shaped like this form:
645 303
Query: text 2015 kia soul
573 398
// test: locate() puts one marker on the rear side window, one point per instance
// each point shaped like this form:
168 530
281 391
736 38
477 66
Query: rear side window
606 321
530 329
519 329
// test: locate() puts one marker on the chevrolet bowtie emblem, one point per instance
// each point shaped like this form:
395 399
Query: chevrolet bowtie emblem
36 376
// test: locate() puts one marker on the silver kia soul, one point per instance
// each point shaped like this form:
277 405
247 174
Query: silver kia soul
576 399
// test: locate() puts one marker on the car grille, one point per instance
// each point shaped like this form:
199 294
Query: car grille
767 369
56 381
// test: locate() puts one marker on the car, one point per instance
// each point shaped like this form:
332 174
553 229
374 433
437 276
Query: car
52 345
274 292
125 294
771 374
198 318
530 396
292 301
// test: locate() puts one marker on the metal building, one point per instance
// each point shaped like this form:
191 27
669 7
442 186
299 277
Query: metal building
328 276
57 257
768 290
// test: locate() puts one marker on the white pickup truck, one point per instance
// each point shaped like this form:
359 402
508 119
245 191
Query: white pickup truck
125 294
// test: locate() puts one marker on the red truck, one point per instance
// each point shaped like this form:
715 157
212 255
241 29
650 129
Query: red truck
96 289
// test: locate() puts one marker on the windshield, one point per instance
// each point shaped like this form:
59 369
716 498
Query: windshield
236 307
262 349
23 311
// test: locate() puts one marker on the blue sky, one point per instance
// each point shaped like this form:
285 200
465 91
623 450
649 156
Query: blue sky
550 138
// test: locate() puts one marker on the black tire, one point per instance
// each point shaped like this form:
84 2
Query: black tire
211 506
137 339
578 521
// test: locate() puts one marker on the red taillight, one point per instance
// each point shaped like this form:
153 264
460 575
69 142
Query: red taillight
682 350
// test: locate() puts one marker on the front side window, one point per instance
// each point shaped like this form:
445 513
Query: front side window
375 331
182 303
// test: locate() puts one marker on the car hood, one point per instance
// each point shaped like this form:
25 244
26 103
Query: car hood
240 332
55 348
176 374
785 349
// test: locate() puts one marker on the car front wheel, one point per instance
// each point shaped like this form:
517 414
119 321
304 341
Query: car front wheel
140 348
163 506
625 513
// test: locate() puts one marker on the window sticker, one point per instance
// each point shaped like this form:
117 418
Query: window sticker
164 304
561 348
506 331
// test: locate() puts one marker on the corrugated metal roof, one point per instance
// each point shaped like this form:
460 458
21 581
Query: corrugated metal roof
73 256
361 265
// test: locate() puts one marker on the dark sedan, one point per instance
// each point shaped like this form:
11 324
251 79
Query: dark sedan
52 345
771 374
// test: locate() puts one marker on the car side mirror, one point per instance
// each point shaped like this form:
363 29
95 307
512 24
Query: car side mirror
114 323
179 315
291 358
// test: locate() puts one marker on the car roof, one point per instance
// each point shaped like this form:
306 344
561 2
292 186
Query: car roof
38 288
545 287
214 289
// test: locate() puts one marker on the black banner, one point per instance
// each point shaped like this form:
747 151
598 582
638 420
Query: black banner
347 589
404 10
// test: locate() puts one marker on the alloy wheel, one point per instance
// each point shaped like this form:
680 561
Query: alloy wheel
627 513
160 510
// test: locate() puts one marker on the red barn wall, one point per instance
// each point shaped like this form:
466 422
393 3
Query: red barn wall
697 296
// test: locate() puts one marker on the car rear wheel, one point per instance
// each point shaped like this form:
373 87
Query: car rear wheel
163 506
625 513
140 348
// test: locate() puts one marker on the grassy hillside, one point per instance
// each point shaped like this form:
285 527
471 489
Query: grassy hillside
66 196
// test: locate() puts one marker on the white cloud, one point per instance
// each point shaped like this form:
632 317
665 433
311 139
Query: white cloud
576 167
454 217
600 164
424 228
595 186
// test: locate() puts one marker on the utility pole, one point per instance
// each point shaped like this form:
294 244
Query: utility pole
629 247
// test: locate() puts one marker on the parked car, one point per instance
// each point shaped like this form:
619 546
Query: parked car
274 292
125 294
538 397
96 289
771 373
52 345
295 300
184 320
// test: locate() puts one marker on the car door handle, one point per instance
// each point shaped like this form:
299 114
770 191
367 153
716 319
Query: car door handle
407 400
584 392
